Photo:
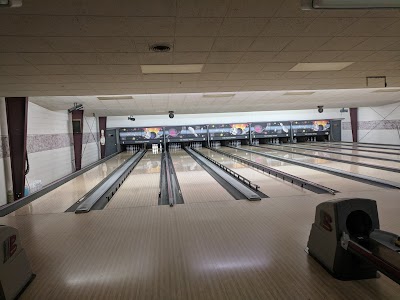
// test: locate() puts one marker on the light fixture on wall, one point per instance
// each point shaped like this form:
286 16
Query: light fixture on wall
320 109
75 107
10 3
348 4
131 118
171 114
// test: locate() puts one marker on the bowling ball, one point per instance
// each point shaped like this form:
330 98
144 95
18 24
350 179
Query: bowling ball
153 135
173 132
239 131
258 128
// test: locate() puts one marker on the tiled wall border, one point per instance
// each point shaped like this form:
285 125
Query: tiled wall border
375 125
46 142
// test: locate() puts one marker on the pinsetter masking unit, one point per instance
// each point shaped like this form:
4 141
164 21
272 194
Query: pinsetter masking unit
345 239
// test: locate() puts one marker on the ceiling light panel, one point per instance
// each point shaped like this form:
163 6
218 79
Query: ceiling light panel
115 98
386 91
172 69
314 67
218 95
349 4
298 93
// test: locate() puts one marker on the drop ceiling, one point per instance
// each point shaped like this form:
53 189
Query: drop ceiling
192 103
96 47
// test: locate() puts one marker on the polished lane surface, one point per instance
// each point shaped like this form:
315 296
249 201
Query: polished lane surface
142 186
61 198
334 182
386 175
337 156
195 183
269 185
393 152
347 151
375 146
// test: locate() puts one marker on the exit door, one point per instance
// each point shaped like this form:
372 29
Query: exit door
111 141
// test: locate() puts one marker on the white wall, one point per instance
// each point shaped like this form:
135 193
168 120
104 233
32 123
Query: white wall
49 144
90 147
380 124
218 118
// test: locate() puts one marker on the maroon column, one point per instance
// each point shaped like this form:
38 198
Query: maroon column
354 123
102 126
77 127
17 120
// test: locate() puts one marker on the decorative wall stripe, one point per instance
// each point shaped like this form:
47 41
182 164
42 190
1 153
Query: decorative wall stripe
46 142
376 125
4 147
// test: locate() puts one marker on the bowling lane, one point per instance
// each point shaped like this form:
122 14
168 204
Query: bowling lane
269 185
348 151
325 179
342 157
142 186
377 146
195 183
392 176
61 198
393 152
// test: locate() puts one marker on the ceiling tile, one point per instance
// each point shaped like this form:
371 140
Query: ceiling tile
289 56
218 68
102 26
12 59
43 58
248 68
245 27
204 8
149 26
327 26
224 57
306 43
286 26
193 44
270 43
192 27
367 26
322 56
260 57
190 57
232 43
91 44
253 8
376 43
342 43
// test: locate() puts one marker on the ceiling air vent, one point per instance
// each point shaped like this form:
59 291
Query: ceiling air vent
160 48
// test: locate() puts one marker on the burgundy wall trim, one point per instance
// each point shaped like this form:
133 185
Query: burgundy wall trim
17 120
354 123
102 126
78 138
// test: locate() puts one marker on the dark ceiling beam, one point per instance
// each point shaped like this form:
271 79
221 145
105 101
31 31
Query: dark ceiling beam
354 123
77 132
17 123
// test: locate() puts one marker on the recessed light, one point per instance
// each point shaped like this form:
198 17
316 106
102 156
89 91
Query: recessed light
218 95
115 98
171 69
386 91
311 67
298 93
